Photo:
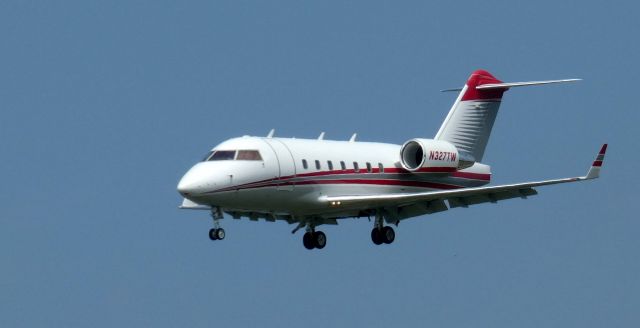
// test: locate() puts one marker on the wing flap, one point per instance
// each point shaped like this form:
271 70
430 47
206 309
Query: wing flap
461 195
490 197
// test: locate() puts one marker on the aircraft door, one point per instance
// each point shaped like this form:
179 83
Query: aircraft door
286 164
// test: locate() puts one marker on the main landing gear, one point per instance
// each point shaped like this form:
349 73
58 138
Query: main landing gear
314 239
382 234
216 233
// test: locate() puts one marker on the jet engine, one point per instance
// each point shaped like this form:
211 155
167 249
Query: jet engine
432 156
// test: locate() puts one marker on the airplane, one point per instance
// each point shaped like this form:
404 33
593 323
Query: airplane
314 182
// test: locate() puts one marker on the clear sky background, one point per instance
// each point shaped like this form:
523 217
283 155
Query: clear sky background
104 105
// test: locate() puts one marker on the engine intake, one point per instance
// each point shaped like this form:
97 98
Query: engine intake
432 156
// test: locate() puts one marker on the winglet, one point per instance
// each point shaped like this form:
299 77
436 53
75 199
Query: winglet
594 171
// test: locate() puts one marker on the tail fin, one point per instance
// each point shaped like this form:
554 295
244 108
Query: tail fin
470 120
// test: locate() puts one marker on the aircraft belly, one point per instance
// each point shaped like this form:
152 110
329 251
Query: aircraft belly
303 200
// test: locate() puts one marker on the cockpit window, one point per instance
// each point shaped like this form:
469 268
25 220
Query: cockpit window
229 155
206 158
222 155
249 155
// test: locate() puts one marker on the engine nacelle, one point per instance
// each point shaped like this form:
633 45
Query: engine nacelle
437 155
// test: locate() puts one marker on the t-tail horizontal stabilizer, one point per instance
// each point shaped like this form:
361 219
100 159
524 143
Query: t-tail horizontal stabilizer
513 84
470 120
521 84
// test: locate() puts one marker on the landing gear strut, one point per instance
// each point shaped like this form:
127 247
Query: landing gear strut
382 234
216 233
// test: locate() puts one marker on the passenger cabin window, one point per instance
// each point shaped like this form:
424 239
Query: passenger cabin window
330 165
355 167
380 167
223 155
343 166
304 164
369 167
248 155
317 164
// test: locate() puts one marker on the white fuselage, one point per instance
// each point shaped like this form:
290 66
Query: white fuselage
291 174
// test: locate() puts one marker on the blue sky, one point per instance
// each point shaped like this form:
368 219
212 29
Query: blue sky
104 105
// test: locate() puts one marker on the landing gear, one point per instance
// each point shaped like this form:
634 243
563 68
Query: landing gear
319 239
376 236
382 234
314 239
216 233
388 235
307 240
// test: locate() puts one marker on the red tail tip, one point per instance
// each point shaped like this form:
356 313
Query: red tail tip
480 77
483 77
603 149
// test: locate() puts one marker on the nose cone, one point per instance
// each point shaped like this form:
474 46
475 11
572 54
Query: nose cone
187 187
192 183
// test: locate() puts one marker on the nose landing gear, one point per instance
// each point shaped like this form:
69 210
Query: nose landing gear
216 233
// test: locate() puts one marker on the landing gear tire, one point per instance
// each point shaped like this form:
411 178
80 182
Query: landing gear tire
213 234
314 239
388 235
308 240
220 233
384 235
319 239
376 236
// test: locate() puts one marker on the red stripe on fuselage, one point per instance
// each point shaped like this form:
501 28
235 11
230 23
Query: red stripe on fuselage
474 176
375 170
282 181
383 182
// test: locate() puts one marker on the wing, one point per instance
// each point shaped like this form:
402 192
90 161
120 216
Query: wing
430 202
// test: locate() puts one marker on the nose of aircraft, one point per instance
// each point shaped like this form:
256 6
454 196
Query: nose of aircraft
191 183
186 187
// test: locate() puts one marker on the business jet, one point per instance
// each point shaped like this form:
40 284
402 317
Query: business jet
314 182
